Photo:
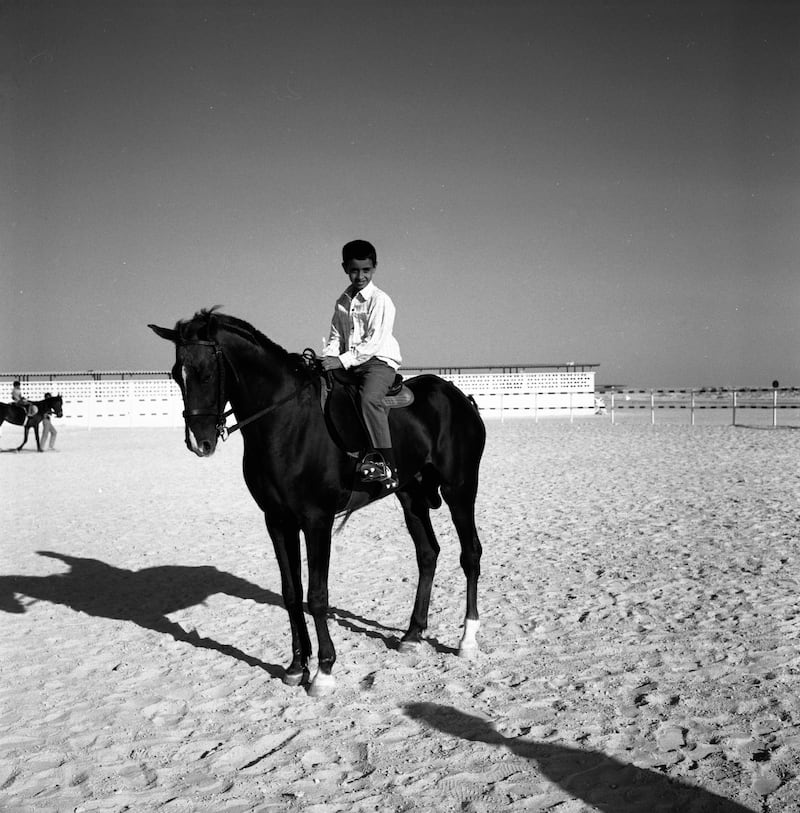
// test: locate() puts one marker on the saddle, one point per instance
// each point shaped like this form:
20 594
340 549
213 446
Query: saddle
339 401
29 409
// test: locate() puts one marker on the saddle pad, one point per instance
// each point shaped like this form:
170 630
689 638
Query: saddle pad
402 399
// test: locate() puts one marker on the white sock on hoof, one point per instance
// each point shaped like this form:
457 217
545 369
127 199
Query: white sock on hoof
323 684
295 679
468 648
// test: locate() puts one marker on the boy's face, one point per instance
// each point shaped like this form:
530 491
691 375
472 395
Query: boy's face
360 273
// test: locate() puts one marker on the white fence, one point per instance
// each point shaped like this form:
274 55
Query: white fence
153 399
743 405
531 395
113 403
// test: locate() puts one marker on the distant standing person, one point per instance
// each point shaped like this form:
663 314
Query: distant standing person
361 342
48 430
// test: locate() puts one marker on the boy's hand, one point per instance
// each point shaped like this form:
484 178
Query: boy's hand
331 363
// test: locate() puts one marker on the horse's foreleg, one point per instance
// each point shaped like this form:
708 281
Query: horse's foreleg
318 545
418 521
286 541
462 510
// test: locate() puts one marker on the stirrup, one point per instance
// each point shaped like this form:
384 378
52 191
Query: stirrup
374 469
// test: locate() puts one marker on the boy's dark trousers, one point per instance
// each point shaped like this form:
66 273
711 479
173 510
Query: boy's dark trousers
373 378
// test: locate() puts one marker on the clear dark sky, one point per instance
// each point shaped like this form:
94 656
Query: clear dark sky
612 182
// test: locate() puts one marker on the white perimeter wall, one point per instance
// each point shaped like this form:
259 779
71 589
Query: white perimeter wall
539 395
111 403
157 402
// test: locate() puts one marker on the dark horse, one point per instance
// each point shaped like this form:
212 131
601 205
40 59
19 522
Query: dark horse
13 413
302 480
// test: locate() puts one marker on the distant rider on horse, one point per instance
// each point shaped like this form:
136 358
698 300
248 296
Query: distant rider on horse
22 402
361 342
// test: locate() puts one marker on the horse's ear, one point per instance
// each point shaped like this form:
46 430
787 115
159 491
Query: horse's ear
165 333
213 324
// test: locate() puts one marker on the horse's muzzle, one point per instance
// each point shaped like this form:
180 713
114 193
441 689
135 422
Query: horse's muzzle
204 447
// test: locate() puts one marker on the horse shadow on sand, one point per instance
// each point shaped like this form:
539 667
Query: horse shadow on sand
146 597
391 636
598 780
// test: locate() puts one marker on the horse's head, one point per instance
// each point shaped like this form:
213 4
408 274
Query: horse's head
52 405
199 371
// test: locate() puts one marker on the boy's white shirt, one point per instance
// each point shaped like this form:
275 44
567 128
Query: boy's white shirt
361 328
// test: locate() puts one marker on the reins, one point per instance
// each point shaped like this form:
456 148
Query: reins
223 431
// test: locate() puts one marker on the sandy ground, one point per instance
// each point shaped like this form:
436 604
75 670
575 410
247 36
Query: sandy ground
639 633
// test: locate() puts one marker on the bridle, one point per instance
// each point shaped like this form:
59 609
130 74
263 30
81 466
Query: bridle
53 411
219 414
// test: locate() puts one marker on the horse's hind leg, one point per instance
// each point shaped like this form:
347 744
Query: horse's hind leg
24 438
418 521
462 510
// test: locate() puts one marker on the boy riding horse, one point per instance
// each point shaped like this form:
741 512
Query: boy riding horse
22 402
361 342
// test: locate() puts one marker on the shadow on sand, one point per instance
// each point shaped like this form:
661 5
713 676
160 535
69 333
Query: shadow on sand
144 597
147 596
786 427
391 636
595 778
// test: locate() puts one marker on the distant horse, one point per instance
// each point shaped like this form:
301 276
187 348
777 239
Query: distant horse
13 413
301 479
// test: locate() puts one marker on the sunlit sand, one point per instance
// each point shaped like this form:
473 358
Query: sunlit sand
639 605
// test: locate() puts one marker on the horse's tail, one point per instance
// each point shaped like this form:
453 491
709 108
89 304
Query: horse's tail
345 516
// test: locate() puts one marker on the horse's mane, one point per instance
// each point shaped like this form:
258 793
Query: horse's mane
207 320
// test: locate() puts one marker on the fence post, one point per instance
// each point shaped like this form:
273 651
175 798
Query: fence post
570 406
692 409
775 407
612 407
535 406
652 408
91 405
733 405
131 404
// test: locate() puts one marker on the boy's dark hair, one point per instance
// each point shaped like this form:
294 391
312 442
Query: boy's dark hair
15 384
359 250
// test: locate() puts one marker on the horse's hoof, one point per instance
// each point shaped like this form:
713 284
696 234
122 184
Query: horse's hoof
468 652
295 678
468 646
409 647
322 685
